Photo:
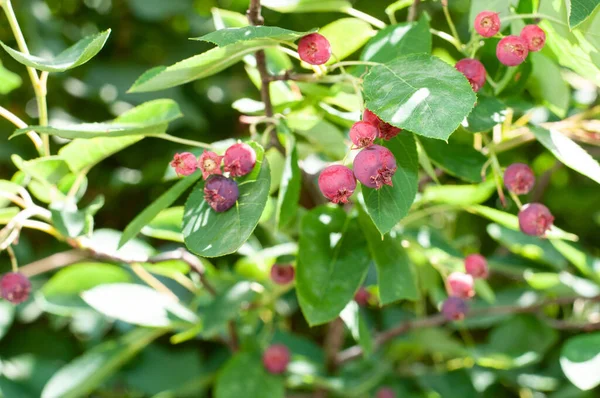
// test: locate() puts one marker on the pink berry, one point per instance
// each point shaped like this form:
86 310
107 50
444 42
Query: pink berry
314 49
473 71
239 159
276 358
454 308
363 134
476 266
337 183
535 219
385 392
362 297
15 287
519 178
210 163
184 163
282 274
487 23
375 166
534 36
220 192
512 50
386 130
460 285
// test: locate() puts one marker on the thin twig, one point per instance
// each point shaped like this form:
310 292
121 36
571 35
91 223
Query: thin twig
334 340
412 12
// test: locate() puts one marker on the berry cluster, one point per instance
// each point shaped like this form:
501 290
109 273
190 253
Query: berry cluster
15 287
220 192
460 287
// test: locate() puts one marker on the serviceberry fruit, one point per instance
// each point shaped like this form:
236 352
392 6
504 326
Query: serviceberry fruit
239 159
375 166
276 358
534 36
363 134
210 163
487 23
512 50
362 297
454 308
535 219
460 285
184 163
385 392
476 266
314 49
220 192
386 130
282 274
15 287
473 71
337 183
519 178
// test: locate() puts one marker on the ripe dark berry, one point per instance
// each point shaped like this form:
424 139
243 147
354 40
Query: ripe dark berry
385 392
386 130
535 219
473 71
454 308
460 285
362 297
314 49
487 23
363 134
534 36
476 266
519 178
282 274
375 166
15 287
337 183
276 358
184 163
220 192
210 163
239 159
512 50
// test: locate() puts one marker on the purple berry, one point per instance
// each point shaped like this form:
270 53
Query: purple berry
487 23
385 392
476 266
534 36
454 308
460 285
15 287
210 163
362 297
282 274
363 134
535 219
473 71
314 49
386 130
337 183
512 50
220 192
239 159
276 358
184 163
375 166
519 178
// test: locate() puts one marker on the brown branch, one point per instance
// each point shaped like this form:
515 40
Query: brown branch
334 340
412 12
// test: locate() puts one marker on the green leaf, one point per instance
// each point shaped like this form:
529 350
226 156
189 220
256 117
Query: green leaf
78 54
420 93
9 81
289 188
77 278
211 234
166 225
357 326
245 376
580 360
226 306
332 263
580 10
8 213
322 135
67 219
547 84
458 159
48 170
307 5
7 315
568 152
342 43
388 205
224 37
8 187
488 112
459 194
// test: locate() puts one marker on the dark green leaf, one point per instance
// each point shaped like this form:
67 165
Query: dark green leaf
547 85
580 360
457 159
166 225
580 10
224 37
9 81
307 5
7 315
488 112
225 307
289 188
245 376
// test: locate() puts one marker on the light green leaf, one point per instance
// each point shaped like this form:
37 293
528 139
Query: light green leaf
7 315
166 225
357 326
458 159
48 170
342 43
580 360
289 189
580 10
224 37
228 19
77 278
9 81
78 54
67 219
547 84
321 134
460 194
306 5
226 306
245 376
7 214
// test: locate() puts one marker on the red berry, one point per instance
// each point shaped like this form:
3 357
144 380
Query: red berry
210 163
534 36
362 297
276 358
385 392
460 285
487 23
375 166
519 178
239 159
386 130
314 49
512 50
363 134
184 163
454 308
220 192
337 183
473 71
15 287
282 274
535 219
476 266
